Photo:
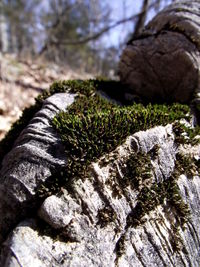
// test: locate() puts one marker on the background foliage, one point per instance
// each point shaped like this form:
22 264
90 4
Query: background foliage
79 33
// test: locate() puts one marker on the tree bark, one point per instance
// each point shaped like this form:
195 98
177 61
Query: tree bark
162 63
4 44
92 221
141 19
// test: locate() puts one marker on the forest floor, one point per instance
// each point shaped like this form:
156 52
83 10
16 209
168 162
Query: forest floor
21 81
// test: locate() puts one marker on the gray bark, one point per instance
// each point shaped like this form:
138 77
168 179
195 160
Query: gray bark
37 152
163 62
92 216
92 220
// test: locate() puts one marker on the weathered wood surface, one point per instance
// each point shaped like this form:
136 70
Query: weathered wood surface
92 216
163 62
90 223
37 152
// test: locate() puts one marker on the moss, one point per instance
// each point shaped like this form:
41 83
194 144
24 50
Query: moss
153 153
136 170
93 126
155 194
120 248
86 87
166 193
52 185
88 103
150 197
186 135
105 216
187 165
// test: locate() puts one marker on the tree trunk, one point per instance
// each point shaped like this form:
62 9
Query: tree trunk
162 63
4 44
126 210
141 19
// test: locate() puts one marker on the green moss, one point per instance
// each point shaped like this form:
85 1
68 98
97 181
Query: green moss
187 165
89 103
186 135
105 216
165 193
151 196
86 87
93 126
136 170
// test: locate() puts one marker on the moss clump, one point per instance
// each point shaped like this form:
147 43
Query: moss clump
90 103
74 86
151 197
186 135
168 191
136 170
93 126
105 216
187 165
137 174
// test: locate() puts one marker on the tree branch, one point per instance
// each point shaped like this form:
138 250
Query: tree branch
141 19
93 36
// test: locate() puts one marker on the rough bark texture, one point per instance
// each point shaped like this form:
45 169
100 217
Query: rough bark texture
92 216
37 152
163 62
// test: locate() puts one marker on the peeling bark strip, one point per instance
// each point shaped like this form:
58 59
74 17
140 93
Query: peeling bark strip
36 153
163 62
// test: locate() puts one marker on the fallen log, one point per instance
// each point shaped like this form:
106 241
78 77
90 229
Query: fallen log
133 203
162 63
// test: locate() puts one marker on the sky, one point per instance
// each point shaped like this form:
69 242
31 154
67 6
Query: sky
120 9
119 33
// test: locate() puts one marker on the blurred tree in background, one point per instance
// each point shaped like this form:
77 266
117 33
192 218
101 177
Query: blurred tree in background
17 24
72 32
67 25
